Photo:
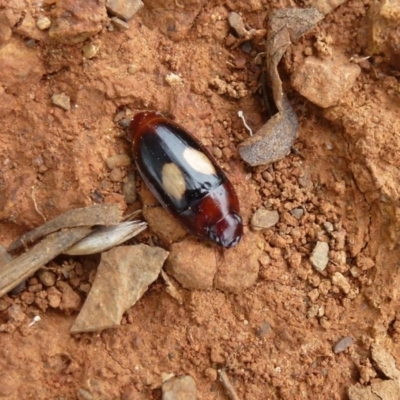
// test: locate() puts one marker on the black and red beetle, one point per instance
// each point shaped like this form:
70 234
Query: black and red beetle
185 179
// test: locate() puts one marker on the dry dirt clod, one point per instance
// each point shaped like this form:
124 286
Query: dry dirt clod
380 34
231 279
20 67
70 300
74 22
192 264
129 188
118 161
179 388
326 6
324 82
123 275
174 79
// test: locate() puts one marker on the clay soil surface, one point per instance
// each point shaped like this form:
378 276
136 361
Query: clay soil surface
339 185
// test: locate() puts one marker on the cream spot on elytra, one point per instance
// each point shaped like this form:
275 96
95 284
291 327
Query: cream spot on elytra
173 180
198 161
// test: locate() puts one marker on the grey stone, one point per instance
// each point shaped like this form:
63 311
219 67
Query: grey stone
123 275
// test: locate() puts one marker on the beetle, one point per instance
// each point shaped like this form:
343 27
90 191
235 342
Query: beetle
185 179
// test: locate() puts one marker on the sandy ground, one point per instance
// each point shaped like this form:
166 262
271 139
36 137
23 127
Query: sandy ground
276 338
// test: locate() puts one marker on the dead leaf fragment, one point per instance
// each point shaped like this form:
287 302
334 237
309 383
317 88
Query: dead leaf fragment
99 214
274 139
16 271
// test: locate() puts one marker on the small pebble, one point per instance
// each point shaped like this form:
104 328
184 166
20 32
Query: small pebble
89 50
211 374
30 43
341 282
61 100
236 23
319 256
247 47
43 23
297 212
305 182
118 161
35 288
15 313
97 197
267 176
3 305
343 344
48 278
124 122
54 298
328 226
217 153
355 272
28 297
264 219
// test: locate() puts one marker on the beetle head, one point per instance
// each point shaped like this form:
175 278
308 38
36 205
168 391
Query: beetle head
228 231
